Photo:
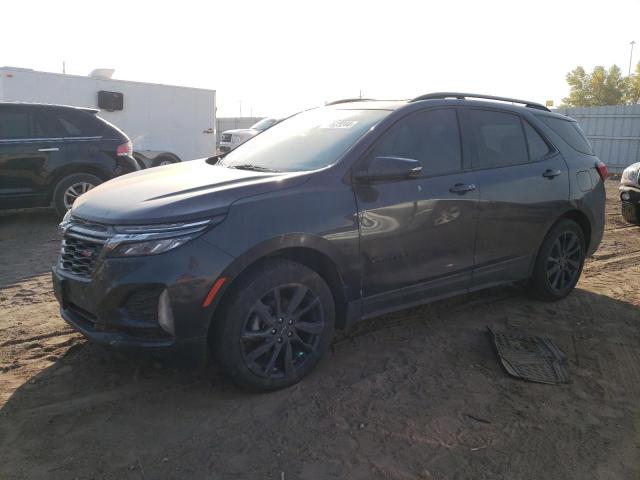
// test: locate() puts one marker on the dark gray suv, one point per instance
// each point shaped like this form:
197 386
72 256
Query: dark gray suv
334 215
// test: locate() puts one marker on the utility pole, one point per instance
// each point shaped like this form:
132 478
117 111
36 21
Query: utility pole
631 55
64 67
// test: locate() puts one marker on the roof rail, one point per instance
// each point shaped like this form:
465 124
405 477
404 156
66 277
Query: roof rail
462 96
348 100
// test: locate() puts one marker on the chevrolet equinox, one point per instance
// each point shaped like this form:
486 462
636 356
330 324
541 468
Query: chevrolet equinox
335 215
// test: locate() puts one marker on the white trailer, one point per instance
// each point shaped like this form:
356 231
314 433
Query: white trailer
166 123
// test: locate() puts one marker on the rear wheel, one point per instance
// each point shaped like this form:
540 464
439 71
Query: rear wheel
559 262
275 326
164 160
631 213
69 188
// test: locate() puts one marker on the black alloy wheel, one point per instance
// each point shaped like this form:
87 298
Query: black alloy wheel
559 262
282 331
564 261
273 325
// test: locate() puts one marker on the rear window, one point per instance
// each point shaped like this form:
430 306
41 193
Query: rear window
500 139
570 132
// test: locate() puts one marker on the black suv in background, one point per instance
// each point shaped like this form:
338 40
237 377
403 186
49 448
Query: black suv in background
51 154
334 215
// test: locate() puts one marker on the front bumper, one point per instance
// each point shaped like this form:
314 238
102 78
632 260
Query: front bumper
630 193
117 306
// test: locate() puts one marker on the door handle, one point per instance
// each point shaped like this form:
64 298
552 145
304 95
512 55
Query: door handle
53 149
551 173
462 188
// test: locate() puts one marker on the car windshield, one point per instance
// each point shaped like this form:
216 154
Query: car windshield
263 124
307 141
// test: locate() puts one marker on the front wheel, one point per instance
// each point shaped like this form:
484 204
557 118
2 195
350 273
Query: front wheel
559 262
275 326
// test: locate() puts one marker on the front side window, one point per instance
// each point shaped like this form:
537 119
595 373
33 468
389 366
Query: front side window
499 139
432 137
14 124
307 141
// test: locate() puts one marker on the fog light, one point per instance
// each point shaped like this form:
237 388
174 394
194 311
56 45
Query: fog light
165 315
625 196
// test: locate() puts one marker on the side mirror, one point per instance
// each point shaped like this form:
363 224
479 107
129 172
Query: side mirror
389 168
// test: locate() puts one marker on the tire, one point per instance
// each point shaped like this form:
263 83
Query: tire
559 262
63 191
262 346
164 160
631 213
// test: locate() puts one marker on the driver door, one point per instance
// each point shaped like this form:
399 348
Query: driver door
417 234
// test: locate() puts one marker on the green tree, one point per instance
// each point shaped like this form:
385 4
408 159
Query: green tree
600 87
632 94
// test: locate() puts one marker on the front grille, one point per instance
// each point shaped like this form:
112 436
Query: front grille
79 255
226 137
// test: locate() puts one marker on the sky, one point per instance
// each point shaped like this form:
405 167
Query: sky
273 58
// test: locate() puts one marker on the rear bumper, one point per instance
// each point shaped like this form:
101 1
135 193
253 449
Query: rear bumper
126 164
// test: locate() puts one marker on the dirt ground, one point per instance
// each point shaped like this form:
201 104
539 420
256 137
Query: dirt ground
414 395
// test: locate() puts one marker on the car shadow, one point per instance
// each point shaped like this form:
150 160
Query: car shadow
29 230
412 384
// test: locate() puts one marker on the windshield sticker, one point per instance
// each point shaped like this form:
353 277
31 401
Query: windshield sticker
340 124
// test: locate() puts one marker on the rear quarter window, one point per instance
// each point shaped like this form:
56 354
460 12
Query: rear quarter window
79 124
570 132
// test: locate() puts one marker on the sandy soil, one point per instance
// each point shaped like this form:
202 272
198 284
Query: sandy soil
415 395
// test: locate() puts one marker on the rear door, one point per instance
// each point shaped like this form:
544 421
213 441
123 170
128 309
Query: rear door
27 152
523 184
417 234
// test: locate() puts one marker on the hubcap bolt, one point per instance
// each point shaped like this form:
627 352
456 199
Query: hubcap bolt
279 339
290 322
289 334
274 331
280 320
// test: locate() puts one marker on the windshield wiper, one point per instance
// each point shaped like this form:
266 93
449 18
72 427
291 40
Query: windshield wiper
255 168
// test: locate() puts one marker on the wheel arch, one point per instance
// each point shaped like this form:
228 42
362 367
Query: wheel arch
315 254
74 169
583 222
575 215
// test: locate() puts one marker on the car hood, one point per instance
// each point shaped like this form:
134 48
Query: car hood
178 192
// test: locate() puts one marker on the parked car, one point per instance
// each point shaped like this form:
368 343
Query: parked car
630 193
334 215
230 139
51 154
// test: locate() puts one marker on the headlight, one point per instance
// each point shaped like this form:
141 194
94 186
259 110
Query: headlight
152 247
141 240
632 173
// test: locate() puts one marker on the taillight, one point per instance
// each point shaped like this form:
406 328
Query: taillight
602 170
125 149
